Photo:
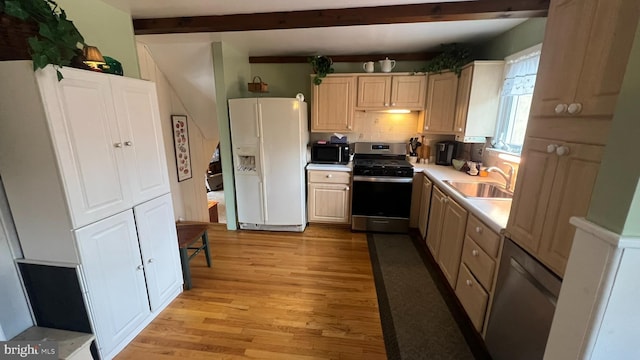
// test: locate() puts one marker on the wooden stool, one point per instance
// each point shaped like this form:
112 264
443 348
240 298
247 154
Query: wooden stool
188 234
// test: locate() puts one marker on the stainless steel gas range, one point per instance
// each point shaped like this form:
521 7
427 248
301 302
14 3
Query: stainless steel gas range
382 182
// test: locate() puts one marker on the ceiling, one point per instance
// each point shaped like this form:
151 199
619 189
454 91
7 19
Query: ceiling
176 54
344 40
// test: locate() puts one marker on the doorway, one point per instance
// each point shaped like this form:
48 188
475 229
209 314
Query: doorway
215 189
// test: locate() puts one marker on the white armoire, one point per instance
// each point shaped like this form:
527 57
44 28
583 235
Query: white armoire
83 164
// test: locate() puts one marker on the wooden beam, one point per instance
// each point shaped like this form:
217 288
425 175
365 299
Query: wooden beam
414 13
342 58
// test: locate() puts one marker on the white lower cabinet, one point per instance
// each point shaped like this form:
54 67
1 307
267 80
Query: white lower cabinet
114 275
159 246
123 290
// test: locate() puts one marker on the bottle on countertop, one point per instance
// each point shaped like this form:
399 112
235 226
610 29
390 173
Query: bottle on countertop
473 171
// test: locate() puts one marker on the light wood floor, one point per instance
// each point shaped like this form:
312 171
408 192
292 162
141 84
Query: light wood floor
272 296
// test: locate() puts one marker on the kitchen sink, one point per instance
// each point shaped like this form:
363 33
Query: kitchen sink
485 190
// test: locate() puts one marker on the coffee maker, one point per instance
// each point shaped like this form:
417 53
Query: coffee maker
445 152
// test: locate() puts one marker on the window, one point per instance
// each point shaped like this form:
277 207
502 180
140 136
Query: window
515 99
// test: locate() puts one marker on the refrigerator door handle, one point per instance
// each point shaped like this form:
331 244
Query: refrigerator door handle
258 115
265 213
263 183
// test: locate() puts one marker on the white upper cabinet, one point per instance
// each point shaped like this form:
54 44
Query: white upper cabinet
85 135
136 105
75 151
106 133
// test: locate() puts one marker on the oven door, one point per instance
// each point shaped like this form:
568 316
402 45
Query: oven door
381 203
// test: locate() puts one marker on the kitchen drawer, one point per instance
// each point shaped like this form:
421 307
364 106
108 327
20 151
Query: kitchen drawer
488 240
481 265
336 177
472 297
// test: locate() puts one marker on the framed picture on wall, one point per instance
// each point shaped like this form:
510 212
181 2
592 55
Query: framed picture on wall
181 146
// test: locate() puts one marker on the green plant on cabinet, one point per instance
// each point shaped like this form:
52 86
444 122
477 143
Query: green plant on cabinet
322 66
453 57
57 39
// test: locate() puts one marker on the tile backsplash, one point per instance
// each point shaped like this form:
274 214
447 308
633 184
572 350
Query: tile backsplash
379 126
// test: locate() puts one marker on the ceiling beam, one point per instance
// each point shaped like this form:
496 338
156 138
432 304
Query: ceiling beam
342 58
413 13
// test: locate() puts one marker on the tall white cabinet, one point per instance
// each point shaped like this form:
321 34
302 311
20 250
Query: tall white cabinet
84 169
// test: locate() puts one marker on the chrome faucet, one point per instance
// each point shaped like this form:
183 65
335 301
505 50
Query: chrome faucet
508 176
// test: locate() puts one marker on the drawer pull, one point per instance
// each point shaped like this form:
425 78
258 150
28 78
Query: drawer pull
478 229
139 267
469 283
329 176
475 252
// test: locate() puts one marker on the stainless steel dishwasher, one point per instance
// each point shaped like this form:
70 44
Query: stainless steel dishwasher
523 307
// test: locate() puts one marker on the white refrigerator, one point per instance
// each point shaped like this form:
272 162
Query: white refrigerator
269 139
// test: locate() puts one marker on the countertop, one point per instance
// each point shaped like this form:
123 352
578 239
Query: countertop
494 213
331 167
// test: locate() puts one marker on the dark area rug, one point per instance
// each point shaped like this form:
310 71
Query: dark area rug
416 321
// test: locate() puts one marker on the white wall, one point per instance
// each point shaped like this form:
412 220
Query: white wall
14 310
189 196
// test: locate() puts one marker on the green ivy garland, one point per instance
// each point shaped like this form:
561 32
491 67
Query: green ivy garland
453 57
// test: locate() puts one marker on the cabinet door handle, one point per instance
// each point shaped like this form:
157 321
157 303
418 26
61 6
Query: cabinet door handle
426 127
478 229
574 108
128 143
445 200
561 108
346 188
393 104
139 267
117 145
551 148
474 252
562 150
386 104
469 283
151 260
460 129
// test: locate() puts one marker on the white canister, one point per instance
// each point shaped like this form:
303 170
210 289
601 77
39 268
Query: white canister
368 66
